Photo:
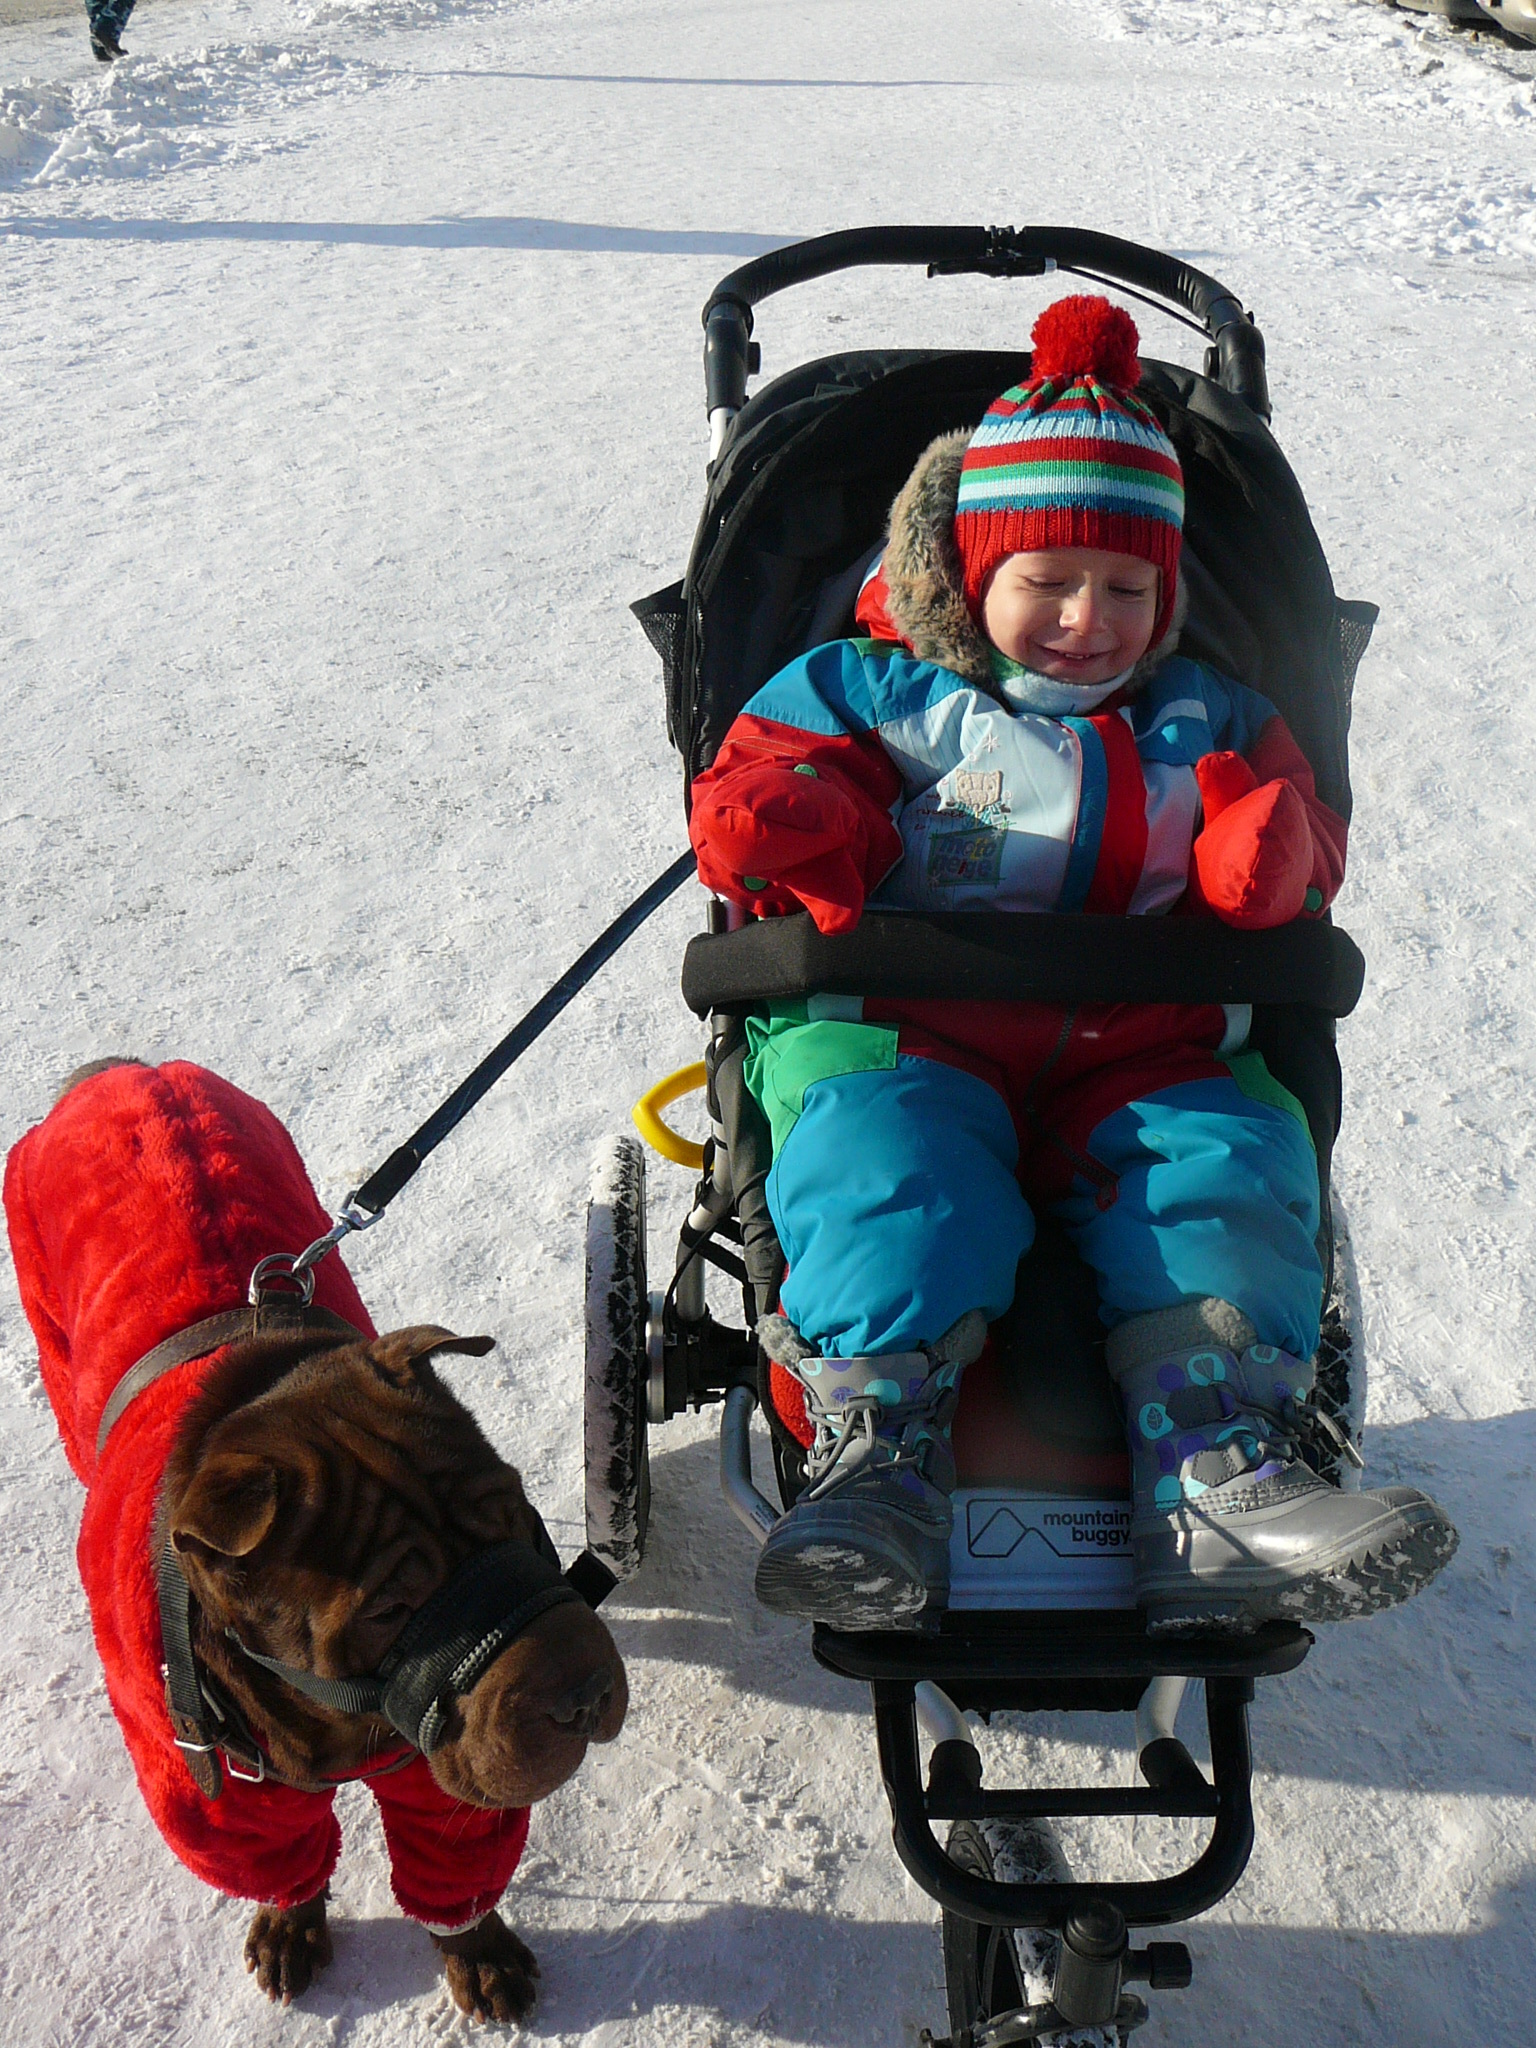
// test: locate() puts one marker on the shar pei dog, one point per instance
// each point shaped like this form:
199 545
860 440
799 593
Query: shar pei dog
305 1564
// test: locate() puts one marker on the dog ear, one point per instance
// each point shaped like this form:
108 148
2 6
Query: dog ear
228 1508
396 1355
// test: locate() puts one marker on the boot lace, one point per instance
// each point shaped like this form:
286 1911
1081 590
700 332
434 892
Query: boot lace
1296 1427
1317 1423
846 1444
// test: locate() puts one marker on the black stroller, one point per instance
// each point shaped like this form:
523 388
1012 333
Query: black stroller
1041 1615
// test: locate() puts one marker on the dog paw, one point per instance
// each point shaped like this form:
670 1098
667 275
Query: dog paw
491 1974
287 1947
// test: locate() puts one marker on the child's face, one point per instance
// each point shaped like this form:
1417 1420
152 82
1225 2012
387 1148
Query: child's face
1076 615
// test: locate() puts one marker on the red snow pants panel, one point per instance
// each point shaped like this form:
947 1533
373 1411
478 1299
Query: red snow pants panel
1062 1072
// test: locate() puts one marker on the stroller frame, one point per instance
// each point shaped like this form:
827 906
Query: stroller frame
653 1355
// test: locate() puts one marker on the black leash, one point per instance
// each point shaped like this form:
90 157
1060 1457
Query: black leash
381 1187
466 1625
366 1204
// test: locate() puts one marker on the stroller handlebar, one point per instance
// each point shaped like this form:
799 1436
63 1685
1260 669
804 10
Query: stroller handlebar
1234 359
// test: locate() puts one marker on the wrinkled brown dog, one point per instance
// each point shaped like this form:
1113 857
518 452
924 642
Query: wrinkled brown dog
316 1491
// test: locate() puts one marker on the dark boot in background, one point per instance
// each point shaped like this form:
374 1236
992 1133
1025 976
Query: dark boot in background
107 20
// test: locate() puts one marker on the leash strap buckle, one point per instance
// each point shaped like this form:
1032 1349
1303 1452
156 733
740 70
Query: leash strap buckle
231 1759
196 1748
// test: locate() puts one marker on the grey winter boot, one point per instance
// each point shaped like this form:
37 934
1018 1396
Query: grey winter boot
1229 1526
867 1544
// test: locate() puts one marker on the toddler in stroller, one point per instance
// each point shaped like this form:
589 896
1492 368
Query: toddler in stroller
1018 733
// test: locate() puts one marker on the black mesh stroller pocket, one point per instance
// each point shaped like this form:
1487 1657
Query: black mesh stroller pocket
1354 623
663 618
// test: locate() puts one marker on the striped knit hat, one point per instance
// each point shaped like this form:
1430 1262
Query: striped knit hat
1073 459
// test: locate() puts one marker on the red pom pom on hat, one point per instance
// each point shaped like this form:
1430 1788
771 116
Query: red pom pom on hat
1085 336
1073 458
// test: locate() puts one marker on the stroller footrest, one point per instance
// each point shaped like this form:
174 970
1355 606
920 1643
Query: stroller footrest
969 1650
1226 1801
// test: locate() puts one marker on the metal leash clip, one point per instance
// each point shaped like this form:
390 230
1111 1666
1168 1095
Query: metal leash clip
300 1267
263 1296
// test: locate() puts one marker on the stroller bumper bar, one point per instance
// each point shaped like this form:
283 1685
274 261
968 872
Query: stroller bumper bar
1055 1659
1025 957
1149 1903
1236 357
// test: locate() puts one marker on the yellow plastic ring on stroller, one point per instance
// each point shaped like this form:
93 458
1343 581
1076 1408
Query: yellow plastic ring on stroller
660 1136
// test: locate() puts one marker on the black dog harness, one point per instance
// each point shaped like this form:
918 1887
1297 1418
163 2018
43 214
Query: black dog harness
448 1645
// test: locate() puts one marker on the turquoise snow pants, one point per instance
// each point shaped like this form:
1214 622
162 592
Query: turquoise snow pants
896 1188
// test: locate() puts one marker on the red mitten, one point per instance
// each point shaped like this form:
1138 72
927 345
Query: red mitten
1253 862
776 837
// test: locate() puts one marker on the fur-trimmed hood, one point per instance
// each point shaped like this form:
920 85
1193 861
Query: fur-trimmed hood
925 584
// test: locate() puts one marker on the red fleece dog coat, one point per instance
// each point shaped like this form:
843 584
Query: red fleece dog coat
138 1207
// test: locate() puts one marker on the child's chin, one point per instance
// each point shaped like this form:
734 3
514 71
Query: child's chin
1086 674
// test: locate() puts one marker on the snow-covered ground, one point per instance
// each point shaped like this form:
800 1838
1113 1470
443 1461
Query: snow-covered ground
351 391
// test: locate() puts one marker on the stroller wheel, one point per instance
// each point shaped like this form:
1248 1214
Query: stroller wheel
618 1470
1341 1373
990 1972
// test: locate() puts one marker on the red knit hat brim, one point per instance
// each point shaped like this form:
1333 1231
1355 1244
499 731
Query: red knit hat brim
1073 459
986 540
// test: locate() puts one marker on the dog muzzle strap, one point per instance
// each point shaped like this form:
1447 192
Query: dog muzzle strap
445 1651
447 1646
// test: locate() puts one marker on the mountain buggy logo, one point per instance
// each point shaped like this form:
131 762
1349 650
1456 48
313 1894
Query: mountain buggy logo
995 1529
1092 1528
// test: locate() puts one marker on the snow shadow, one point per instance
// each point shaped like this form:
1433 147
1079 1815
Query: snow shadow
803 1974
491 231
692 1601
378 1962
762 84
829 1980
770 1965
1270 1987
1433 1697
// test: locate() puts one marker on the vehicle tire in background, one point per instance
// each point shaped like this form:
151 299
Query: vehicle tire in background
989 1971
618 1471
